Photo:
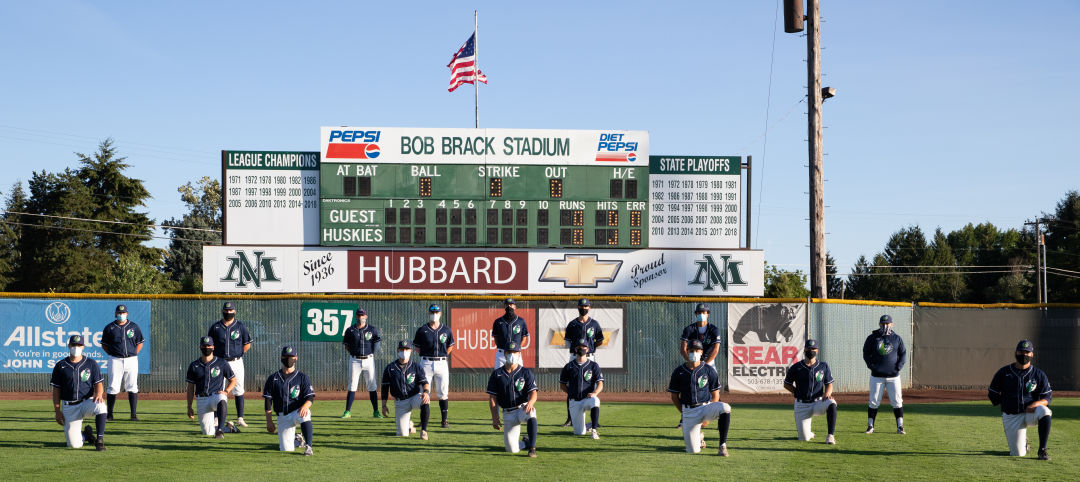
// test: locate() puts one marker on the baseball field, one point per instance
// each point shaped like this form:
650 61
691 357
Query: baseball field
637 441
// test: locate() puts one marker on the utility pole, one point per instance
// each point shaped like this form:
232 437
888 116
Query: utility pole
747 166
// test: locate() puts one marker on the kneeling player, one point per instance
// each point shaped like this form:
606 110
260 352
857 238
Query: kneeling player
77 394
288 393
206 379
1024 394
812 383
513 388
695 391
405 380
582 381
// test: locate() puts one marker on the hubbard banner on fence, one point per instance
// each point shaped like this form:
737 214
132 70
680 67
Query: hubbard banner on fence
763 340
35 332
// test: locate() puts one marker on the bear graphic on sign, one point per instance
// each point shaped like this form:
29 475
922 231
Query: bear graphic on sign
768 322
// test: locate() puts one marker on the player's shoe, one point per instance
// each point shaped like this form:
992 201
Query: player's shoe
88 435
231 427
532 453
240 421
830 439
869 429
134 418
299 440
109 417
377 414
412 427
679 425
219 434
445 424
423 435
1044 454
99 444
347 414
703 442
595 436
900 430
307 450
566 423
723 451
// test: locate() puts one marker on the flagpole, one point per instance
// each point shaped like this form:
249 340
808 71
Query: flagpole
476 83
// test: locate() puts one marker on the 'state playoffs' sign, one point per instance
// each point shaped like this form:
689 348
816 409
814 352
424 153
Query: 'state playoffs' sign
35 332
269 269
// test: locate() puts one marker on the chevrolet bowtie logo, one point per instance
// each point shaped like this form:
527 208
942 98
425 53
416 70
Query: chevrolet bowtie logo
580 270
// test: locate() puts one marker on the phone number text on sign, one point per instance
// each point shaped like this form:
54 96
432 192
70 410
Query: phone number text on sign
321 321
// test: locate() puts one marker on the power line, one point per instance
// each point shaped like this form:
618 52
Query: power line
931 273
768 103
95 231
1063 270
156 226
1063 275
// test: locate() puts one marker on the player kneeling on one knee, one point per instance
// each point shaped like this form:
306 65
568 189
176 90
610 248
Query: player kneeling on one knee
1024 394
812 384
288 393
407 382
77 394
582 381
513 388
209 380
695 391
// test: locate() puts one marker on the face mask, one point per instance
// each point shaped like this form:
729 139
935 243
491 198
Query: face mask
509 312
582 351
403 355
510 359
517 359
582 311
810 354
121 317
289 362
434 317
206 351
1023 359
695 356
75 350
228 316
885 330
702 317
363 320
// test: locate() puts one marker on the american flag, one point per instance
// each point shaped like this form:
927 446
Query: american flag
463 69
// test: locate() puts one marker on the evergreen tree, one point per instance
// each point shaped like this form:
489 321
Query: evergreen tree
10 238
1063 250
184 260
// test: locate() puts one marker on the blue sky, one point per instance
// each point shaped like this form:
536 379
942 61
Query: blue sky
946 112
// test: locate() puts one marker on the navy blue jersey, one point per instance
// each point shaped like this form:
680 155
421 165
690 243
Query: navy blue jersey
229 340
809 381
433 342
120 341
581 379
76 380
884 355
1015 389
589 332
504 331
405 380
209 378
711 336
694 386
288 391
361 341
511 389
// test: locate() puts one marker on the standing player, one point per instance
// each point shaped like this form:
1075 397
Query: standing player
122 340
513 388
1024 394
231 341
884 354
406 382
812 384
289 394
361 342
506 329
582 381
707 333
582 329
77 394
695 391
206 383
435 343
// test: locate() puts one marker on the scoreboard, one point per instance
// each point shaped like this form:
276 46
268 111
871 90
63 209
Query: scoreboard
484 188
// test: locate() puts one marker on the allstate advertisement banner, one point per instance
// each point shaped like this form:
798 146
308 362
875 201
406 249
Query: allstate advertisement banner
293 269
35 332
763 341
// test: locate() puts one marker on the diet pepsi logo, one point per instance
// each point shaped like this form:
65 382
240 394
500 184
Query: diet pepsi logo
613 147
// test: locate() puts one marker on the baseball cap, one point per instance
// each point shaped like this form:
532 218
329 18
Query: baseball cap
121 309
584 302
513 347
811 343
580 342
360 312
885 319
1025 345
206 341
434 309
228 306
694 345
404 345
509 301
701 308
75 340
288 350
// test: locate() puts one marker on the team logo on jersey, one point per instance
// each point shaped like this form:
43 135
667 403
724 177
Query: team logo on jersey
818 376
442 337
884 348
294 392
214 372
234 335
588 376
706 341
1030 387
367 336
590 332
130 333
409 378
701 381
84 375
519 384
517 329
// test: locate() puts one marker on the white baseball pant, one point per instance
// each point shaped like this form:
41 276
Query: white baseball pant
804 412
1016 428
438 375
403 413
286 429
123 374
364 368
879 385
500 357
206 407
512 422
73 419
238 370
692 419
578 409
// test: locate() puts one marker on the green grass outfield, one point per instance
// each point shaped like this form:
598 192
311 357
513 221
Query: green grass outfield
944 440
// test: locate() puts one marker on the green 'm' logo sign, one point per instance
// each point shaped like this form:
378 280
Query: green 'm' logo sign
519 384
214 372
294 392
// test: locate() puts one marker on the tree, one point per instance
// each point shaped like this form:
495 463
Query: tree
1063 250
190 233
781 283
10 238
116 198
833 283
131 275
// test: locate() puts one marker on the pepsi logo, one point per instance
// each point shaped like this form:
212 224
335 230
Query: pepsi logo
371 151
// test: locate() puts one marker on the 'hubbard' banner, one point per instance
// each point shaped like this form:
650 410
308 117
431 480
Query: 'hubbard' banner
763 341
